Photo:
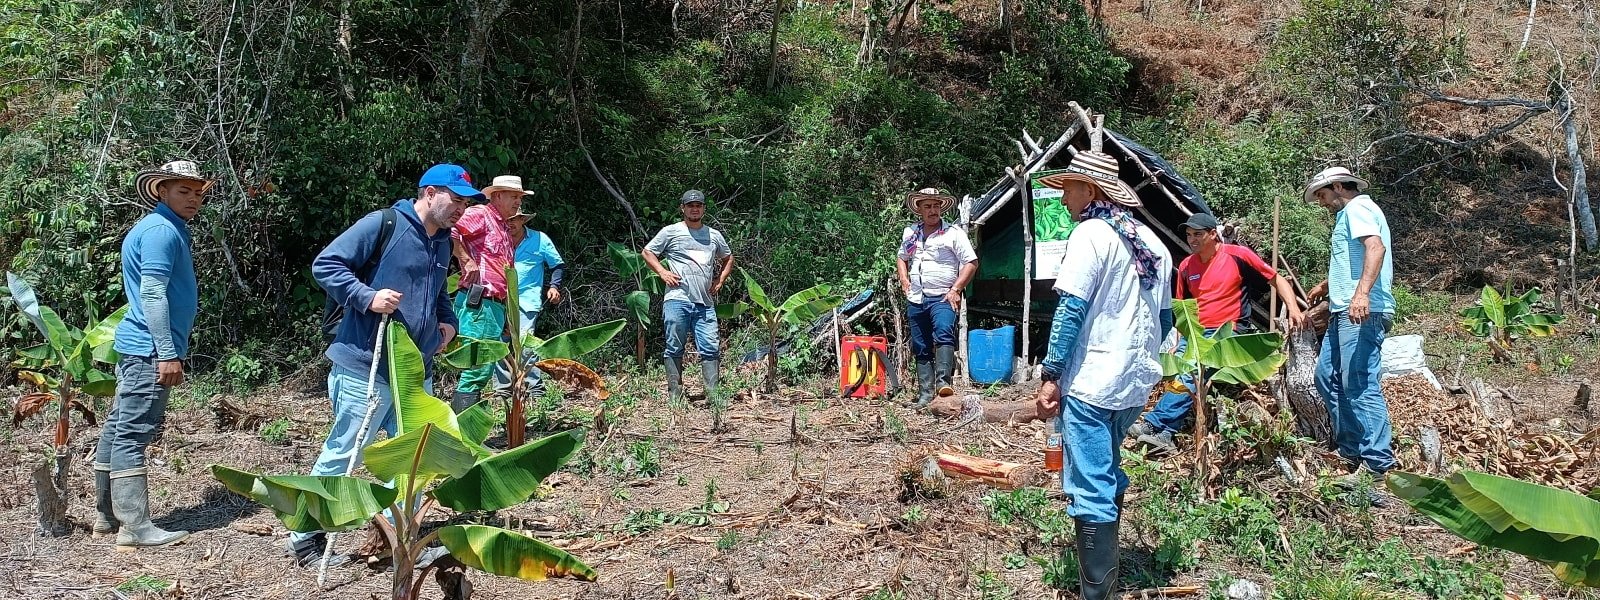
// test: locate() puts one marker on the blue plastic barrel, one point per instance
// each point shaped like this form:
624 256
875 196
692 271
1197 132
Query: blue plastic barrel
989 354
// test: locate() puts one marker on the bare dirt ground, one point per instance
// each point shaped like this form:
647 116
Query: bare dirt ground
811 488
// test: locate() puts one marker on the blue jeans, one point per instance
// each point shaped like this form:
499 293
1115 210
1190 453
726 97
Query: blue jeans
341 453
1347 378
135 417
679 316
933 324
502 375
1170 411
1091 473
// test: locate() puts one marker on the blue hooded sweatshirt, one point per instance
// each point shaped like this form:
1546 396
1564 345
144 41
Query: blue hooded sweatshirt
413 264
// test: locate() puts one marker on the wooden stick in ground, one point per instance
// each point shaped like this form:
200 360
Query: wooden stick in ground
1272 311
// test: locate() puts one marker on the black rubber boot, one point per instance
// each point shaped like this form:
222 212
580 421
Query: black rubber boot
105 520
463 400
674 378
1098 555
130 501
946 361
710 370
924 383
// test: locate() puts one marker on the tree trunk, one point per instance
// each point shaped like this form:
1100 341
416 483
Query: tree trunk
772 360
1580 187
772 44
1019 411
1299 387
52 498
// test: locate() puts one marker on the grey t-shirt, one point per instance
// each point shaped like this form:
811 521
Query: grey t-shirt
694 255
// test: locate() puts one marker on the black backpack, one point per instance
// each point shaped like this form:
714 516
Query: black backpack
333 312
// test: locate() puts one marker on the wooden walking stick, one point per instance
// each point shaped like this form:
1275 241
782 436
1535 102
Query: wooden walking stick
361 437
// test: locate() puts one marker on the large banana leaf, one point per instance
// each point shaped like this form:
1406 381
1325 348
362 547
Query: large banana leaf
578 342
509 478
1186 319
102 333
414 406
638 302
99 383
624 259
1243 359
467 353
1476 321
763 305
1173 365
807 305
510 554
732 310
1553 526
55 332
476 423
310 503
425 453
1538 325
1494 306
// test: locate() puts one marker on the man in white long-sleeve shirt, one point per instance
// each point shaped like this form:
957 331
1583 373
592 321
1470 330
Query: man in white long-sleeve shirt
153 341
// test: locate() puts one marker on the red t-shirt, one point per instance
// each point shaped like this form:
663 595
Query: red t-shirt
1219 285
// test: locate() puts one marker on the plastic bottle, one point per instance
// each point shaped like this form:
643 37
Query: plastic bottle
1052 448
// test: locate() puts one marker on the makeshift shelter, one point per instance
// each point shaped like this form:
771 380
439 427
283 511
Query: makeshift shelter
1014 263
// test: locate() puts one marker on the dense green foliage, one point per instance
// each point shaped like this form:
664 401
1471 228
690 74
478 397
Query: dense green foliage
309 122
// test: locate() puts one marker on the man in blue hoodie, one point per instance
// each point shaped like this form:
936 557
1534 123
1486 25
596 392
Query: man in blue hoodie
407 283
153 341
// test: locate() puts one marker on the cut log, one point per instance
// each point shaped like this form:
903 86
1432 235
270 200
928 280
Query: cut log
1299 387
994 473
1020 411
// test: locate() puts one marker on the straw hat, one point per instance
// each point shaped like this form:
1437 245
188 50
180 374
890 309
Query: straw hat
178 170
944 198
1331 176
1098 169
506 183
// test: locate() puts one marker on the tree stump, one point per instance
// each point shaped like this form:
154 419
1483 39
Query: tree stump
1299 386
52 497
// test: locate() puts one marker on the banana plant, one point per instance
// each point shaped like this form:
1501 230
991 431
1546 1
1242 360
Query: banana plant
436 457
1553 526
1224 356
631 265
556 357
799 309
1503 318
71 352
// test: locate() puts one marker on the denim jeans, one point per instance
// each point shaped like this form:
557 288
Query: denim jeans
487 322
1347 378
933 324
341 453
502 375
135 416
1091 473
1170 411
679 316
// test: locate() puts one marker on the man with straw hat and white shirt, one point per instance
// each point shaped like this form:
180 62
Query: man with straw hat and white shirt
1115 285
483 247
153 340
934 263
1361 310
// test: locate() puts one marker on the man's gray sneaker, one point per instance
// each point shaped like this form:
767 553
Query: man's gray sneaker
1139 428
1160 441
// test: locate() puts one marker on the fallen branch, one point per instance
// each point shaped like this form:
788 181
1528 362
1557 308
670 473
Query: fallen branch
994 473
1021 411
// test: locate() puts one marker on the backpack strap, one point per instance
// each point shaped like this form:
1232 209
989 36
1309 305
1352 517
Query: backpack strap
385 232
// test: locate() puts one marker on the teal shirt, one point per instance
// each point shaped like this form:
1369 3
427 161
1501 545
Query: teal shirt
1360 218
158 245
535 255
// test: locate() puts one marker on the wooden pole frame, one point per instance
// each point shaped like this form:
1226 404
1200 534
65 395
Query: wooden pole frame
1025 360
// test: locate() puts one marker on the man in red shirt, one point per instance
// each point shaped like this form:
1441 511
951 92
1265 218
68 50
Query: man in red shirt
1221 278
482 240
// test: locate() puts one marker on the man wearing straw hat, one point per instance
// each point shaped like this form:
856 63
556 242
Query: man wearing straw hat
483 248
163 295
1361 310
1115 285
402 279
934 263
534 255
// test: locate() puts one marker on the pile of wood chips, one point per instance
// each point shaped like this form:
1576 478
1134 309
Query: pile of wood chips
1470 440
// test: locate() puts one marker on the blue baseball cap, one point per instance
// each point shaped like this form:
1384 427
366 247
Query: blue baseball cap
451 177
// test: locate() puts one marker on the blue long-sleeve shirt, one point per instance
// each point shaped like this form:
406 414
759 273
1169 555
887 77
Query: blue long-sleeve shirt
1065 326
414 264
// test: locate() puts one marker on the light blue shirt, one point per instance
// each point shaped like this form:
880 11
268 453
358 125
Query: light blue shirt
1360 218
535 255
158 246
